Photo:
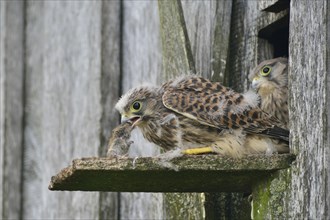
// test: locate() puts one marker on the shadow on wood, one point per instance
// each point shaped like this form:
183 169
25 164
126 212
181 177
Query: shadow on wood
200 173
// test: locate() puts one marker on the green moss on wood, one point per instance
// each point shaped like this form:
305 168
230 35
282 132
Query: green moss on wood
269 195
184 205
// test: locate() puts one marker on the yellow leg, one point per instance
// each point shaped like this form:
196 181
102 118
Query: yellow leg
201 150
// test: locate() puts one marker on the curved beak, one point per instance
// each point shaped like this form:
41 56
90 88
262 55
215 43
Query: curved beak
124 119
255 82
133 120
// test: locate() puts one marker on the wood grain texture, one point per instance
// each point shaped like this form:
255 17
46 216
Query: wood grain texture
208 27
63 108
110 88
176 47
73 64
266 4
309 109
2 100
220 45
148 174
141 64
11 107
178 59
246 49
243 42
200 21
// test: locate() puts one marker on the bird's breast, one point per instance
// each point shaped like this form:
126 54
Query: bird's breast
170 132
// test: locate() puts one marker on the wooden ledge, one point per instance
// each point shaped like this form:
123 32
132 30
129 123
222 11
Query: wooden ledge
200 173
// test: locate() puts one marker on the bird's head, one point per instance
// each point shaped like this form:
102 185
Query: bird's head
270 74
138 104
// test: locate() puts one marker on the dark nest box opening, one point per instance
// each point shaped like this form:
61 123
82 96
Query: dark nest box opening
277 34
278 6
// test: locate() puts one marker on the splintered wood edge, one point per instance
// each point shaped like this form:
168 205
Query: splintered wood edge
73 175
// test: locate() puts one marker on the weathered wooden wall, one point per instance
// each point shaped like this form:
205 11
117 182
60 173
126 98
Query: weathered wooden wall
64 65
68 92
310 109
63 108
302 191
246 48
111 22
11 107
141 63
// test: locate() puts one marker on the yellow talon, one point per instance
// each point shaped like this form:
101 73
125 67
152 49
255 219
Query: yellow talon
201 150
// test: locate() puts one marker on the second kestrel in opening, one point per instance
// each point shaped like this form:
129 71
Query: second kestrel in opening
270 80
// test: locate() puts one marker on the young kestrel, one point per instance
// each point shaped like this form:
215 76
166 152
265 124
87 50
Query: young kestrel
270 80
191 112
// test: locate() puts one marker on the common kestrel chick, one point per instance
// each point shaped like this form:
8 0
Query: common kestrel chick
192 112
270 80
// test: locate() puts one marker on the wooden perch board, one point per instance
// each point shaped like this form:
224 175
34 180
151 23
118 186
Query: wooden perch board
200 173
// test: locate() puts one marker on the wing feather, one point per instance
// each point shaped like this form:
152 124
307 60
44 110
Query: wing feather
214 105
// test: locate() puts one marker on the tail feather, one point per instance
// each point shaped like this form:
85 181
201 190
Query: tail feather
277 132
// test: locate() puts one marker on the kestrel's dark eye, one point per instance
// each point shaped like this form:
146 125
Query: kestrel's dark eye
265 71
136 106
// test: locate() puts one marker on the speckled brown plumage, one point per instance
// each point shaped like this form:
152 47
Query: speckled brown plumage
216 106
272 87
191 111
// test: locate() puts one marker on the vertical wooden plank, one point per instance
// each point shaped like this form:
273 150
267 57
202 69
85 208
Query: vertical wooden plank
269 196
11 107
110 89
141 38
245 43
176 47
177 60
208 27
141 64
221 39
309 109
63 111
236 46
2 100
111 69
267 3
200 21
246 49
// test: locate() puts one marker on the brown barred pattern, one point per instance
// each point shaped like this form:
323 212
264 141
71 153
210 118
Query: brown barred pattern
191 112
217 106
